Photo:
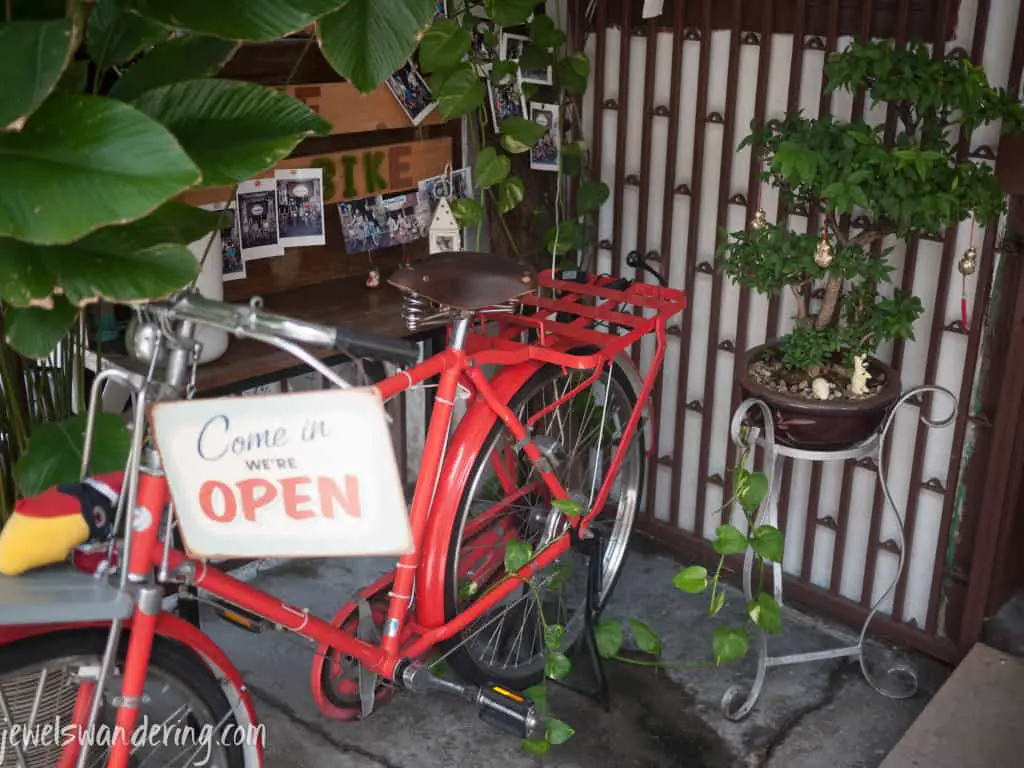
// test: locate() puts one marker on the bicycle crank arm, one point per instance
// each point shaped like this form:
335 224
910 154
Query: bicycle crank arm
499 707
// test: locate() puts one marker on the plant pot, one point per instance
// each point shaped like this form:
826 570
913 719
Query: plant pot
821 425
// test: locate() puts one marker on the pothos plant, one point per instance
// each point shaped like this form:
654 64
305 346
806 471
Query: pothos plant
872 189
110 109
462 56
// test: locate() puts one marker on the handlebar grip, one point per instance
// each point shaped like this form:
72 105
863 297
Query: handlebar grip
371 345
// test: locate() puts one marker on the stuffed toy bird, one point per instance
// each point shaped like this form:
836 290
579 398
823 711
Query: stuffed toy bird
43 529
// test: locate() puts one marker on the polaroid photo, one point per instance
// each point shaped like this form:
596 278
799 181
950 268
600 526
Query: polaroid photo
412 92
441 9
300 206
256 206
361 224
430 191
233 265
512 47
484 54
544 155
401 224
507 100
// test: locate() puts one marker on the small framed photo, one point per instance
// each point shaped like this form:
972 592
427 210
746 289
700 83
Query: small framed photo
479 46
512 47
232 263
256 206
300 206
544 155
412 92
507 100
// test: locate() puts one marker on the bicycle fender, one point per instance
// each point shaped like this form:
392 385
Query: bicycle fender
466 443
179 630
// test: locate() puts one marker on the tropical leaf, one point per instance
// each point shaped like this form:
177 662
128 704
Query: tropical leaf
367 40
54 452
254 20
33 54
231 130
183 58
34 331
114 35
443 45
82 162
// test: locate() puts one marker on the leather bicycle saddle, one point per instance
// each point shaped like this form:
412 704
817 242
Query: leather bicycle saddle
466 280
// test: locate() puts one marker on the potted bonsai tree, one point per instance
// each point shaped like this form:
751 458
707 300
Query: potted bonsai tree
825 387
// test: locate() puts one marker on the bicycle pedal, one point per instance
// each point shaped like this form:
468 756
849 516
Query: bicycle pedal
243 620
509 712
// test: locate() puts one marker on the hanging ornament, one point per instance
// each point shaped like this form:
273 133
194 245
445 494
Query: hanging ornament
760 219
823 254
968 262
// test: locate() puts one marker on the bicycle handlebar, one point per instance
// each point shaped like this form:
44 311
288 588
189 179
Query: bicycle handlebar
250 320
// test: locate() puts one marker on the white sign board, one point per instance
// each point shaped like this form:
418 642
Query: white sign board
308 474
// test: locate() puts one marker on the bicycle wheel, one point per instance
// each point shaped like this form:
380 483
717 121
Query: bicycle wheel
506 500
39 684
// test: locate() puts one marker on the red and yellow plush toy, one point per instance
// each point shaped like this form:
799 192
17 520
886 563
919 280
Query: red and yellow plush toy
44 529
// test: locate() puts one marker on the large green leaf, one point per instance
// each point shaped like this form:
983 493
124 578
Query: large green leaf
367 40
509 13
83 162
490 168
255 20
33 55
54 452
459 92
144 259
184 58
232 130
114 35
34 331
443 45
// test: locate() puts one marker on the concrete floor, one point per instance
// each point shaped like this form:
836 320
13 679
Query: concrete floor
820 715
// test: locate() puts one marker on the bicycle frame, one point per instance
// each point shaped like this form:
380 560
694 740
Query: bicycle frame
408 635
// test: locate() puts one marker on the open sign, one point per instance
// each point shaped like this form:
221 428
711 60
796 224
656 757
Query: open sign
297 475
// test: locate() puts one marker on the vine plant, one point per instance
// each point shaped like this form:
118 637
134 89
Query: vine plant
459 53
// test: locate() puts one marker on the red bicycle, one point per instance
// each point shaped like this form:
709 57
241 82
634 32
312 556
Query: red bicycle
554 411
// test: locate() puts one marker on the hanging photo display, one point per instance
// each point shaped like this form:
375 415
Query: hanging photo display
512 47
373 223
256 205
507 100
431 191
412 92
232 263
300 206
544 154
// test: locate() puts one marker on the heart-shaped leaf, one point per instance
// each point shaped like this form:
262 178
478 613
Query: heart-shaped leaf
608 635
536 747
517 554
232 130
33 54
34 331
114 35
646 639
83 162
557 666
490 168
556 732
768 542
366 40
467 212
254 20
573 73
459 92
729 644
510 194
521 131
563 238
544 33
591 196
509 13
54 452
766 613
183 58
692 580
729 540
443 46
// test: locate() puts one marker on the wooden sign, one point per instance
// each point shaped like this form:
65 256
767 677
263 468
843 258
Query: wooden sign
349 111
358 173
297 475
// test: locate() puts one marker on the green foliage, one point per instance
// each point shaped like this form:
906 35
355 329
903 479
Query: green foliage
917 186
460 73
55 452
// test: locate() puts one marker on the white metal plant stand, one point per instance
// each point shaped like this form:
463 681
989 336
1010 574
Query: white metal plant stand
900 680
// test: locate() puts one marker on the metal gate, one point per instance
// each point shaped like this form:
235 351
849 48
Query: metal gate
671 98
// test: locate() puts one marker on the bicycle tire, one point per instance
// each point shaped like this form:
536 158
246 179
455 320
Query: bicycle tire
458 652
173 661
